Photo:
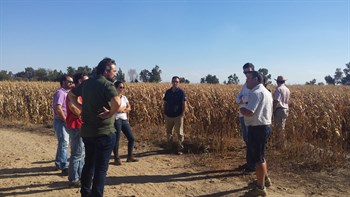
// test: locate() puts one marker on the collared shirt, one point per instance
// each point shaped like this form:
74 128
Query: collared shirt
260 103
59 98
174 102
242 95
282 95
97 93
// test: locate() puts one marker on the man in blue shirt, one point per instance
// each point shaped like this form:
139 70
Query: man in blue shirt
174 110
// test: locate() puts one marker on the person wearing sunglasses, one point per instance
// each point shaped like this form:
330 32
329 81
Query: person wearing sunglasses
242 99
59 123
122 124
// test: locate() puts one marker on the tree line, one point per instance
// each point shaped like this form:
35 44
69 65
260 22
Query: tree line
340 77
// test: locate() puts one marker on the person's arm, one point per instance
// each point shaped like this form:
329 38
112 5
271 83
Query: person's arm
74 109
184 106
74 100
127 108
246 112
275 104
60 113
239 97
115 105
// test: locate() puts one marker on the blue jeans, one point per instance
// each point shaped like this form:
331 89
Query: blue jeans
123 125
77 154
97 153
62 146
244 132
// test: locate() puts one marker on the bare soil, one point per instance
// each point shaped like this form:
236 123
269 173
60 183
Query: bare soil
27 169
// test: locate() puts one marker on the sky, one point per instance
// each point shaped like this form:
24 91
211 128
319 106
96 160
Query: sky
301 40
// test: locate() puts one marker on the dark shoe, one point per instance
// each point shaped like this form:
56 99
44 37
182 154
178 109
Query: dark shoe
268 182
64 172
75 184
117 162
131 159
256 192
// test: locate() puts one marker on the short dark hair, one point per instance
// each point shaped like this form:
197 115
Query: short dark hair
78 76
63 79
248 65
105 64
117 83
175 77
256 74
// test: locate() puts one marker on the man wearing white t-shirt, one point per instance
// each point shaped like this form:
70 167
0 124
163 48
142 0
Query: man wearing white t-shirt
257 116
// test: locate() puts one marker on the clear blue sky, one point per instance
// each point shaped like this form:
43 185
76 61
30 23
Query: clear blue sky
299 39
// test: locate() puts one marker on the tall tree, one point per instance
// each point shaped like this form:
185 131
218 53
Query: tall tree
346 78
29 72
41 74
338 75
232 79
265 73
183 80
212 79
4 75
329 80
71 71
84 69
145 75
132 75
155 75
312 82
120 75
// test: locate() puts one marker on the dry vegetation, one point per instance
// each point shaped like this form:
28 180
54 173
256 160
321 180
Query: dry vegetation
317 130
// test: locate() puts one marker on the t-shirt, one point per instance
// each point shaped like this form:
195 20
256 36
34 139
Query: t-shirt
59 98
73 121
260 103
174 102
242 95
97 93
123 103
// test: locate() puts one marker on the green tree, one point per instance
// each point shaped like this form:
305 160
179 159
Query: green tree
155 75
183 80
145 75
329 80
312 82
41 74
232 79
54 75
212 79
346 78
29 72
120 75
338 76
265 73
71 71
4 75
84 69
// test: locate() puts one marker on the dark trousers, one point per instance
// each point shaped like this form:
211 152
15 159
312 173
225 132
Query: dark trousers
124 126
97 154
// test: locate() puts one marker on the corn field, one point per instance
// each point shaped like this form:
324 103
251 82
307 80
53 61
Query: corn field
319 116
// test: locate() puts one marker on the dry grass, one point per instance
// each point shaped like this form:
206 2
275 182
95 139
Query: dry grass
317 129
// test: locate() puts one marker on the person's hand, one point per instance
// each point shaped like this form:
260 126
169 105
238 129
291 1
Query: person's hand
104 114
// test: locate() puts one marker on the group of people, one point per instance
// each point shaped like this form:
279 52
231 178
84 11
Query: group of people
90 114
257 107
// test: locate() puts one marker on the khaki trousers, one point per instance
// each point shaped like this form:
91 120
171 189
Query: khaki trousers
175 124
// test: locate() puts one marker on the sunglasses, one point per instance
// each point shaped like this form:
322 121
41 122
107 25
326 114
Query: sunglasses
121 87
70 82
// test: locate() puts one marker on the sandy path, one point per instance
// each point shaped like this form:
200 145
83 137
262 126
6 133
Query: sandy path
26 169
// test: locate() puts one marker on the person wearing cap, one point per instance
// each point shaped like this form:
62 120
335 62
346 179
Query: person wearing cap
257 114
280 107
242 99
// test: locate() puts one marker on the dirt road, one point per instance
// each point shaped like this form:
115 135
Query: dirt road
26 169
